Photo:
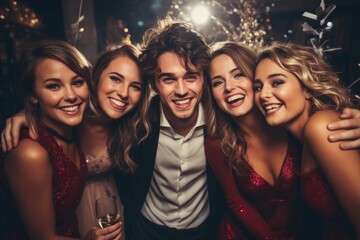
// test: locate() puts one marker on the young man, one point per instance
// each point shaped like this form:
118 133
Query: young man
173 194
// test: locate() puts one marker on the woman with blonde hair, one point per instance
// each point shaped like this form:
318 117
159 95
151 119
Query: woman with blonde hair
295 88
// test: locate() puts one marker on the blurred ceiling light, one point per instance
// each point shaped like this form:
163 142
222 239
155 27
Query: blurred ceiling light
200 14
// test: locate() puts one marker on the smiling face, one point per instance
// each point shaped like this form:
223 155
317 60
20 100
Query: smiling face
119 87
232 91
180 91
61 94
279 95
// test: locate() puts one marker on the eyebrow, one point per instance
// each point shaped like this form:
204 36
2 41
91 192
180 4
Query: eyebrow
231 71
272 76
165 74
59 79
276 75
118 74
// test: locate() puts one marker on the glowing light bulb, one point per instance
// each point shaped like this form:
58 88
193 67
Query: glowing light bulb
200 14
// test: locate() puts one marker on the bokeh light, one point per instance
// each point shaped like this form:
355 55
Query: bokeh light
200 14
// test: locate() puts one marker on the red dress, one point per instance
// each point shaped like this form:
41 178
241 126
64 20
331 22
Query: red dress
67 183
317 193
256 209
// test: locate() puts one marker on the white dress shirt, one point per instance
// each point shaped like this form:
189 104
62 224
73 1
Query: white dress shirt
178 196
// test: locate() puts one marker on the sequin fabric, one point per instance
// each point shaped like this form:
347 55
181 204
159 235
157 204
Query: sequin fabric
257 209
317 193
68 184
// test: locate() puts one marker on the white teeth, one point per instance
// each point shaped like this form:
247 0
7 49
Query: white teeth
182 102
235 97
70 109
117 102
272 106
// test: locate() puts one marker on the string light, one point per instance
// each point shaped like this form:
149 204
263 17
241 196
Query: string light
19 12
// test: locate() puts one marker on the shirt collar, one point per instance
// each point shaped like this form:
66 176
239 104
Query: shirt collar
199 122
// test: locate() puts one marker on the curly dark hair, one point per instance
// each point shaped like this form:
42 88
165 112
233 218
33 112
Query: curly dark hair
175 36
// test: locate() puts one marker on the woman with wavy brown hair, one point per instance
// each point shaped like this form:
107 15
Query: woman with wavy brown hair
115 122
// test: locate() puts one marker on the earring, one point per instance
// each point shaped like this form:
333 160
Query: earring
33 100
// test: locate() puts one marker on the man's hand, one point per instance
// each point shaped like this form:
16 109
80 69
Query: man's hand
350 123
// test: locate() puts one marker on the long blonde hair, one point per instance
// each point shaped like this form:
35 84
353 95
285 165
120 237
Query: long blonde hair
312 72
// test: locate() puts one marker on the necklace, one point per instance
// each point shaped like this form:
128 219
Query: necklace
61 137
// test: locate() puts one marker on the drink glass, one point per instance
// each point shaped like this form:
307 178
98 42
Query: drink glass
107 211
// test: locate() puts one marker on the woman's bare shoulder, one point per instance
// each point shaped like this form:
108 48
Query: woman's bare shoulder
28 153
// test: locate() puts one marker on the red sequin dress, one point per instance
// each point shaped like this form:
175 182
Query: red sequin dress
317 193
256 209
68 184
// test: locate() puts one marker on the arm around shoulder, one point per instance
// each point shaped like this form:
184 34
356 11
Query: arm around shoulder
349 122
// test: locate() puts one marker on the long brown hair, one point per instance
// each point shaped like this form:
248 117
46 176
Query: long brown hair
220 124
30 58
132 128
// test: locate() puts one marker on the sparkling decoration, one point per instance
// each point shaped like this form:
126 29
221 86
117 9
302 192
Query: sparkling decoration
244 21
318 41
18 12
75 27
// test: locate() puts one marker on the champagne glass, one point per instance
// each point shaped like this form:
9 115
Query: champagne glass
107 211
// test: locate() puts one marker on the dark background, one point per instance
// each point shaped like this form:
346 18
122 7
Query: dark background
138 15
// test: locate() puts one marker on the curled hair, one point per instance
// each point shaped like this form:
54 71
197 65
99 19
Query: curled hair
132 128
31 57
175 36
312 72
222 125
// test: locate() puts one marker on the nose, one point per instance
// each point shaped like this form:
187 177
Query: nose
265 92
123 92
181 87
70 94
229 86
